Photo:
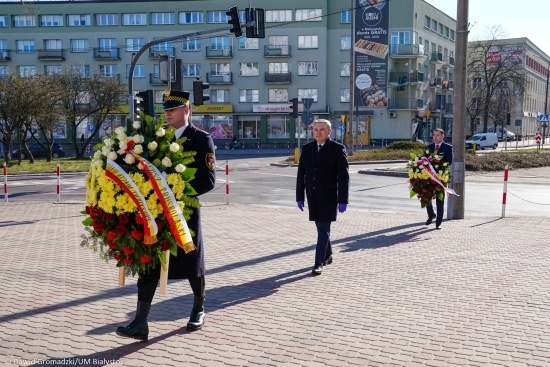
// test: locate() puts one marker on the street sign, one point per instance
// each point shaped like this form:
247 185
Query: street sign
543 118
307 118
90 127
307 103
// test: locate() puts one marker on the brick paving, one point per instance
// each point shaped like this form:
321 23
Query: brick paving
476 293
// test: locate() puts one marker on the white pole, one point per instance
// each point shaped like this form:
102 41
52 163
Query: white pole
227 181
58 183
5 182
504 191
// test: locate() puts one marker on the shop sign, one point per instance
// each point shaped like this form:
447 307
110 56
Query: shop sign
275 108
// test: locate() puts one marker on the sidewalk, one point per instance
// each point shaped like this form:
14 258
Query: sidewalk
476 293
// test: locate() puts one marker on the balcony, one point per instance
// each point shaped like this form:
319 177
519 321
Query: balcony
51 54
436 57
441 107
154 79
448 84
436 83
400 78
278 78
406 51
449 107
114 76
155 54
225 52
405 103
5 55
448 62
219 79
104 54
276 51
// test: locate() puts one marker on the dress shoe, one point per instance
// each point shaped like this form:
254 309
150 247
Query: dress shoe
196 321
430 220
317 270
138 329
328 261
438 226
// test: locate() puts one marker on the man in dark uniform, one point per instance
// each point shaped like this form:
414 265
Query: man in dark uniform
446 152
323 175
183 266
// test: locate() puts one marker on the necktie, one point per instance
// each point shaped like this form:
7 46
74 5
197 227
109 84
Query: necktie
437 147
319 149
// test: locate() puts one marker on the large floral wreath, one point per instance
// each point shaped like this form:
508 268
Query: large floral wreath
139 196
428 177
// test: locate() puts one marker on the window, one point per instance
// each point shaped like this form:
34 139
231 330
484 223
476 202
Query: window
134 44
164 46
345 42
248 43
476 82
307 68
446 32
277 95
401 38
191 44
82 70
220 69
25 46
452 35
4 22
191 17
4 71
78 20
51 21
3 49
277 67
106 19
278 41
427 22
219 96
163 18
427 46
134 19
249 127
80 45
108 70
108 45
139 71
53 69
344 69
24 21
26 70
192 70
440 28
344 95
345 16
220 43
308 41
216 17
249 95
248 69
278 127
272 16
52 44
309 15
307 93
434 25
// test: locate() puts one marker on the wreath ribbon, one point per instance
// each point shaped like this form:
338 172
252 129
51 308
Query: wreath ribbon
426 162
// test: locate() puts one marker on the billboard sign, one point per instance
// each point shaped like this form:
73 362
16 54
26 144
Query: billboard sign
505 55
370 46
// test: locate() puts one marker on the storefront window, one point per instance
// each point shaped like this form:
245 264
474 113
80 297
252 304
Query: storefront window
249 127
278 127
221 127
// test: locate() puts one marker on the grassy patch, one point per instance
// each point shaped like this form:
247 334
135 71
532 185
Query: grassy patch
41 166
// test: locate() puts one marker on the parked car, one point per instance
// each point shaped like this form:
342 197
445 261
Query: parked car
482 141
508 135
38 151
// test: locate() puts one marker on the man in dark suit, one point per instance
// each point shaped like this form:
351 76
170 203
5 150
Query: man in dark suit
446 152
183 266
323 175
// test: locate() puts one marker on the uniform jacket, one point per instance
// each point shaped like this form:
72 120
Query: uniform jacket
445 150
324 178
184 266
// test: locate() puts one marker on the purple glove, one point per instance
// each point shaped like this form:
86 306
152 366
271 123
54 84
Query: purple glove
300 205
342 207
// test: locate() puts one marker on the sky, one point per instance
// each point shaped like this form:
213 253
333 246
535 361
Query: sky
517 18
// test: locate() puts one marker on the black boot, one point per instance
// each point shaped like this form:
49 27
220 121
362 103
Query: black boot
138 329
196 320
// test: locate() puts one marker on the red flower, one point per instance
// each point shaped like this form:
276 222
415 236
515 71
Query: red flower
88 209
118 257
112 246
136 235
165 245
159 225
121 229
139 219
111 235
145 259
124 218
128 250
99 212
128 261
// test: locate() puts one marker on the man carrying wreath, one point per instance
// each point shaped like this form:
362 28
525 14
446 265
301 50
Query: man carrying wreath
185 265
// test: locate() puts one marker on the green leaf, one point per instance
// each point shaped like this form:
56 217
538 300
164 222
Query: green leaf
87 222
412 194
188 174
189 190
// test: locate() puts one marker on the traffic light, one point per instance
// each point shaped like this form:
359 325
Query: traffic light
508 119
255 23
198 92
146 102
234 20
138 107
294 107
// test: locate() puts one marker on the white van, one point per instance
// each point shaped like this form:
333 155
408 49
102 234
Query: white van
482 141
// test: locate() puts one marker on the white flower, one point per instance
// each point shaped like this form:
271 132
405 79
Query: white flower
180 168
120 130
174 147
138 149
105 150
436 166
445 164
416 160
152 145
97 155
129 159
112 156
122 145
440 172
108 142
427 151
160 132
166 162
136 125
140 166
